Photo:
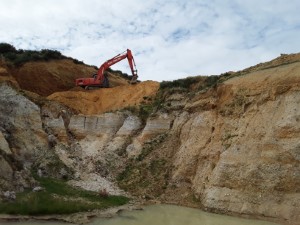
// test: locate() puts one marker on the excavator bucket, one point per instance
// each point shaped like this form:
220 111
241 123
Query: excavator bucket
134 80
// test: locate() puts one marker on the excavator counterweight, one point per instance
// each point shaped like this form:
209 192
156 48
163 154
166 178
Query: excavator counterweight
101 80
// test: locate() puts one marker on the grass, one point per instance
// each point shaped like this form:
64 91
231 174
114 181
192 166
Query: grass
58 198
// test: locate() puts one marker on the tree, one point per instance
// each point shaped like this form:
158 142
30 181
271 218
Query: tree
6 48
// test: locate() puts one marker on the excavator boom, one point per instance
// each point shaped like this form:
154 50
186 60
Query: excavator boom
100 80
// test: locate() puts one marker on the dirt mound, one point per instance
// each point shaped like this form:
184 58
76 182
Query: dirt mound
45 78
106 99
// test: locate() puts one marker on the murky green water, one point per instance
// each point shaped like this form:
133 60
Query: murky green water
166 215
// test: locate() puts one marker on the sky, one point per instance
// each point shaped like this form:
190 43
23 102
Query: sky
169 39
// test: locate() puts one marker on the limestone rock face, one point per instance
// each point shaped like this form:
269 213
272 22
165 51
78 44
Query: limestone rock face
21 138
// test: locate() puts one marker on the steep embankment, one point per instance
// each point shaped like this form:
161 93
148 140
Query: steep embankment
45 78
233 148
239 145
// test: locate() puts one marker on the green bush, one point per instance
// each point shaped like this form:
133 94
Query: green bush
183 83
48 54
211 81
79 62
7 48
120 73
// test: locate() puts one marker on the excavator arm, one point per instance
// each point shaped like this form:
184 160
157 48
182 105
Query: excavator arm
101 80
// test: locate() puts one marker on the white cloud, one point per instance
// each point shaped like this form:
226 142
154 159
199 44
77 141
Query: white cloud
169 39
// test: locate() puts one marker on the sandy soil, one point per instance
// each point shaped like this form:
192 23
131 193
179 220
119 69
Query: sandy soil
283 75
106 99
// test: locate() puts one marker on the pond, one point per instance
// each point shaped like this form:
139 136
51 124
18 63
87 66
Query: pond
164 215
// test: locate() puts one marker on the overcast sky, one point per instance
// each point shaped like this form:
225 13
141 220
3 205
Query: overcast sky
170 39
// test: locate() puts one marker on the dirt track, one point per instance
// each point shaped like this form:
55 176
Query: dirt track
106 99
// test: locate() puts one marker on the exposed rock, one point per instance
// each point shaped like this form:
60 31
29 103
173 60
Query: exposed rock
234 148
9 195
100 125
154 127
94 182
6 170
3 144
131 124
18 148
17 114
243 155
37 189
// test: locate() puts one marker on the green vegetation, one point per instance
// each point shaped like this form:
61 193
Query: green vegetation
150 176
59 198
148 107
183 83
150 146
200 82
19 57
148 172
120 74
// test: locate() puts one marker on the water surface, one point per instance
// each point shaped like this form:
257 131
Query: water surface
164 215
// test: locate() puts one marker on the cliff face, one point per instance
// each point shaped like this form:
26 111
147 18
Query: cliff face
21 138
243 155
233 148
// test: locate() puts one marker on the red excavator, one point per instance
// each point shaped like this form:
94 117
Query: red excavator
100 79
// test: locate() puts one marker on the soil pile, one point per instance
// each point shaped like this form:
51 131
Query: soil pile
106 99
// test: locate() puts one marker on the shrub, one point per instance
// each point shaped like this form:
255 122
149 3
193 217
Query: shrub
211 81
6 48
79 62
183 83
51 54
120 73
19 57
